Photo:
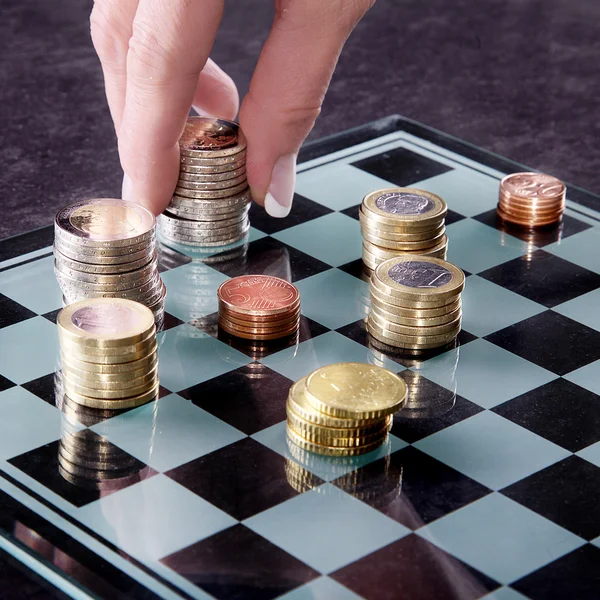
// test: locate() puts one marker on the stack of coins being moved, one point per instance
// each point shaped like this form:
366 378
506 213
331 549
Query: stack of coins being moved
107 248
259 307
108 354
211 201
400 220
344 409
531 199
415 302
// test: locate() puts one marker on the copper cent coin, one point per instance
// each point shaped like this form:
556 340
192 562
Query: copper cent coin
258 294
533 185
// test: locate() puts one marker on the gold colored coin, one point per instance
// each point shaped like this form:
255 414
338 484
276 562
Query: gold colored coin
305 444
70 347
407 247
110 394
80 366
401 233
327 437
402 314
115 404
355 390
411 330
121 384
105 322
418 278
393 300
409 341
298 403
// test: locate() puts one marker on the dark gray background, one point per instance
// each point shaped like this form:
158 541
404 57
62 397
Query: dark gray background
518 77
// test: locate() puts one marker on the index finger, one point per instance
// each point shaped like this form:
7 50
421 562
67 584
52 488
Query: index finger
170 43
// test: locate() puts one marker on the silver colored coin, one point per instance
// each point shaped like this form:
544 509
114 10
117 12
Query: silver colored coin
203 169
202 177
402 203
208 186
105 222
114 278
208 241
89 287
175 221
204 235
122 251
84 267
218 193
419 274
203 214
211 203
222 161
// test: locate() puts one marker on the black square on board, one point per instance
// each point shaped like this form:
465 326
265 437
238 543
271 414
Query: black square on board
453 217
415 569
566 492
303 210
269 256
42 464
250 398
401 167
12 312
5 384
429 409
412 487
575 575
257 350
352 211
551 341
43 387
241 479
559 411
539 237
358 269
543 278
52 315
236 564
168 258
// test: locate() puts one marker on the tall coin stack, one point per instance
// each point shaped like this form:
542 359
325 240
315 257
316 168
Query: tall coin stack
107 248
259 307
343 409
415 302
402 220
531 199
212 199
108 353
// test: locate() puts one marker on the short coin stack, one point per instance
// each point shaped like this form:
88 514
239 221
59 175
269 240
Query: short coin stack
344 409
415 302
109 354
211 201
531 199
107 248
401 220
259 307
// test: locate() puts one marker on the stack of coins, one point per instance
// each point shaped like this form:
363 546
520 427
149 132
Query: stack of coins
343 409
107 248
415 302
259 307
108 354
531 199
402 220
211 201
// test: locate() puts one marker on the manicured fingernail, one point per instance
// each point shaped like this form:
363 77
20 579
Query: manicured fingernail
278 201
127 188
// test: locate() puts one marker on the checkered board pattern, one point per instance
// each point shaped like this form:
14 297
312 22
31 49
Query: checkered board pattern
487 488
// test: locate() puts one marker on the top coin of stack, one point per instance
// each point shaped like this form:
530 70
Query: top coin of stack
400 220
211 201
107 248
259 307
343 409
531 199
108 353
415 302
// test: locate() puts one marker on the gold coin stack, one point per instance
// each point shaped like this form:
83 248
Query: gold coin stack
109 354
402 220
107 248
211 201
531 199
415 302
343 409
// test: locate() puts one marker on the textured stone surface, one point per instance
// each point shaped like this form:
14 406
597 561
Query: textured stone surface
517 77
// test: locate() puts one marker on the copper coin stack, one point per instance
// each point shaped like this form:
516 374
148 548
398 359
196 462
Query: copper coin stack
402 220
211 201
259 307
415 302
531 199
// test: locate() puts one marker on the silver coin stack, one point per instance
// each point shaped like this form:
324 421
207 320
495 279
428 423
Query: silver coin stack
211 201
106 248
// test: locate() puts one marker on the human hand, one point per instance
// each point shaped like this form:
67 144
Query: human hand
154 55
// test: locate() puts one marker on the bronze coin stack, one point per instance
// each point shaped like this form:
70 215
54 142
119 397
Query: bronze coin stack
415 302
343 409
259 307
211 201
402 220
109 356
531 199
